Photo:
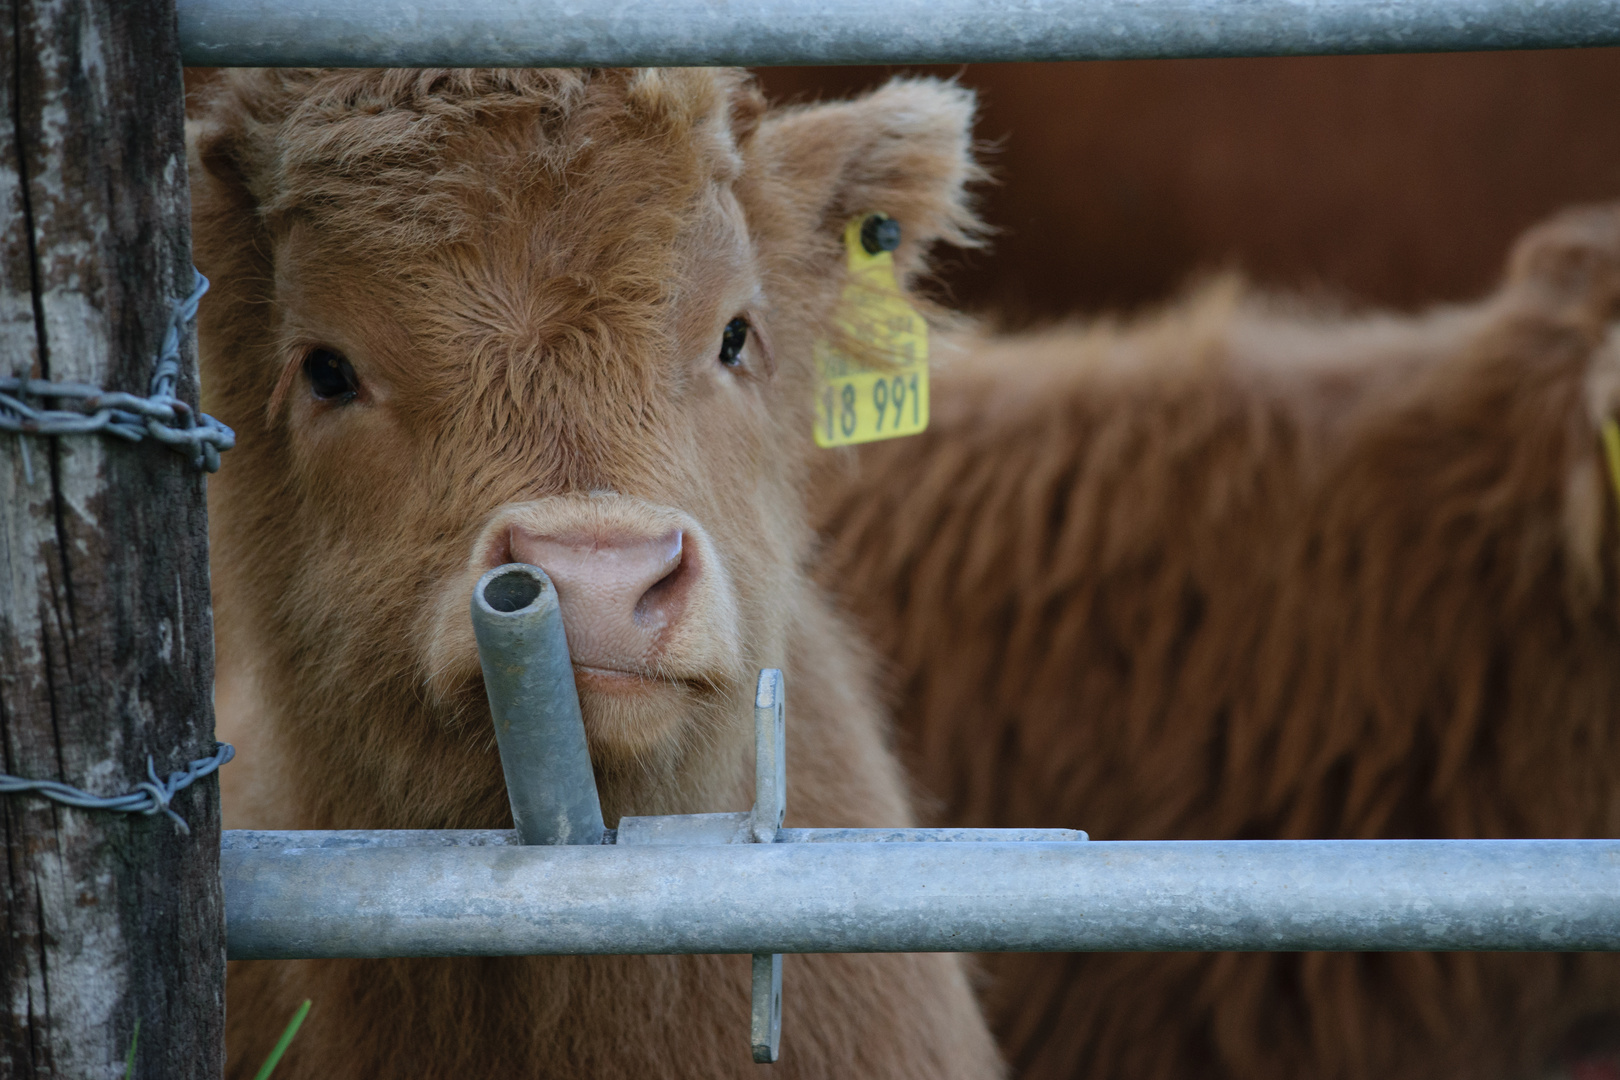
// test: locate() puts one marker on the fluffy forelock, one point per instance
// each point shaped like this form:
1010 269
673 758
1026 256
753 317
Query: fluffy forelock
388 154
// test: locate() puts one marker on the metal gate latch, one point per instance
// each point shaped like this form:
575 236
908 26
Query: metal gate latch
758 826
541 735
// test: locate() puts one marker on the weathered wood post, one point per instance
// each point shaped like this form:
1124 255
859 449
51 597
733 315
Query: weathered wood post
106 648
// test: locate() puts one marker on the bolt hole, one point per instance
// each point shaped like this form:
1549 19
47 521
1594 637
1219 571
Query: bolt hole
512 591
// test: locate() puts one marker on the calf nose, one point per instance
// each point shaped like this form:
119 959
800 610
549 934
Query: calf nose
619 592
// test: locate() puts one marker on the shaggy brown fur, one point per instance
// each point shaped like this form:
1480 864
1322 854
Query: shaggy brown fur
1242 571
530 272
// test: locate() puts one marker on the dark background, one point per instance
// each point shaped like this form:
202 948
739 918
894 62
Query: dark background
1395 180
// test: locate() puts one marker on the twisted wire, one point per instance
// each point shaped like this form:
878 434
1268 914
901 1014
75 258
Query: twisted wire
126 416
149 796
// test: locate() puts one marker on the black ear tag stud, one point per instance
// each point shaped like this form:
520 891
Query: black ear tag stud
879 232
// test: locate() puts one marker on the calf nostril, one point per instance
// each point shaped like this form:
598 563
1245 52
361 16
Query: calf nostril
619 590
657 604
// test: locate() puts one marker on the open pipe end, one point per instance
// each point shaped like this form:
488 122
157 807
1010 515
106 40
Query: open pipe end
512 589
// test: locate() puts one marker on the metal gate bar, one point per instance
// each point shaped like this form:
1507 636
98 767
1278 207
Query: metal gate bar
284 899
737 883
585 33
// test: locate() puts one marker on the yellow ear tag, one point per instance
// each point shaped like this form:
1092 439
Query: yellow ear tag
872 379
1611 451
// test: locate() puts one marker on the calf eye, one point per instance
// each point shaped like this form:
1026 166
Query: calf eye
732 339
330 376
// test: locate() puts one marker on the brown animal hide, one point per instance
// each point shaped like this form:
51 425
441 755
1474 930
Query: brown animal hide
462 316
1245 570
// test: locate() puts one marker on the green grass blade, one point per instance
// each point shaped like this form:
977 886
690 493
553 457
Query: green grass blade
129 1058
282 1043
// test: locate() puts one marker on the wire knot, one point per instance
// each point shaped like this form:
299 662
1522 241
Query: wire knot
148 797
160 414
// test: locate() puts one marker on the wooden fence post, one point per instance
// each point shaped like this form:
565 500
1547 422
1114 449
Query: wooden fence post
106 638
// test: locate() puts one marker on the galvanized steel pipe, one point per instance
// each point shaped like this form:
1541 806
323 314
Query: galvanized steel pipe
291 840
535 706
577 33
1558 895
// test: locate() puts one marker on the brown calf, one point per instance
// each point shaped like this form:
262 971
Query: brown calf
1242 570
462 317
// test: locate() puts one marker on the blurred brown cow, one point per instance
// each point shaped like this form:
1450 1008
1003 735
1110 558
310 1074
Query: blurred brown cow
1246 570
1398 180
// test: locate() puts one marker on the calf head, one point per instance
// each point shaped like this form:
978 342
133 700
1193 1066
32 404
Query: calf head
462 318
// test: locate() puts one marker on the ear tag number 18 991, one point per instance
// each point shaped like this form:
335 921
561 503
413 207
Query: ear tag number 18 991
872 377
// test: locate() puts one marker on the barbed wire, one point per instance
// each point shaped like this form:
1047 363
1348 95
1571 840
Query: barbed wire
149 796
127 416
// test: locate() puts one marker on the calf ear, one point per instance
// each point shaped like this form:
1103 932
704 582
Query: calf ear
219 175
228 158
228 143
905 150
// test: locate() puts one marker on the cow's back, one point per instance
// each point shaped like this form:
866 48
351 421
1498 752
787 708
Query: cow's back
1241 571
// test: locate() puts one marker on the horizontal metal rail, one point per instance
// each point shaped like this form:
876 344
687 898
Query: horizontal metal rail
287 896
354 839
582 33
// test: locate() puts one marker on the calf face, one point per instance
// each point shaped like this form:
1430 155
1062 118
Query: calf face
465 318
